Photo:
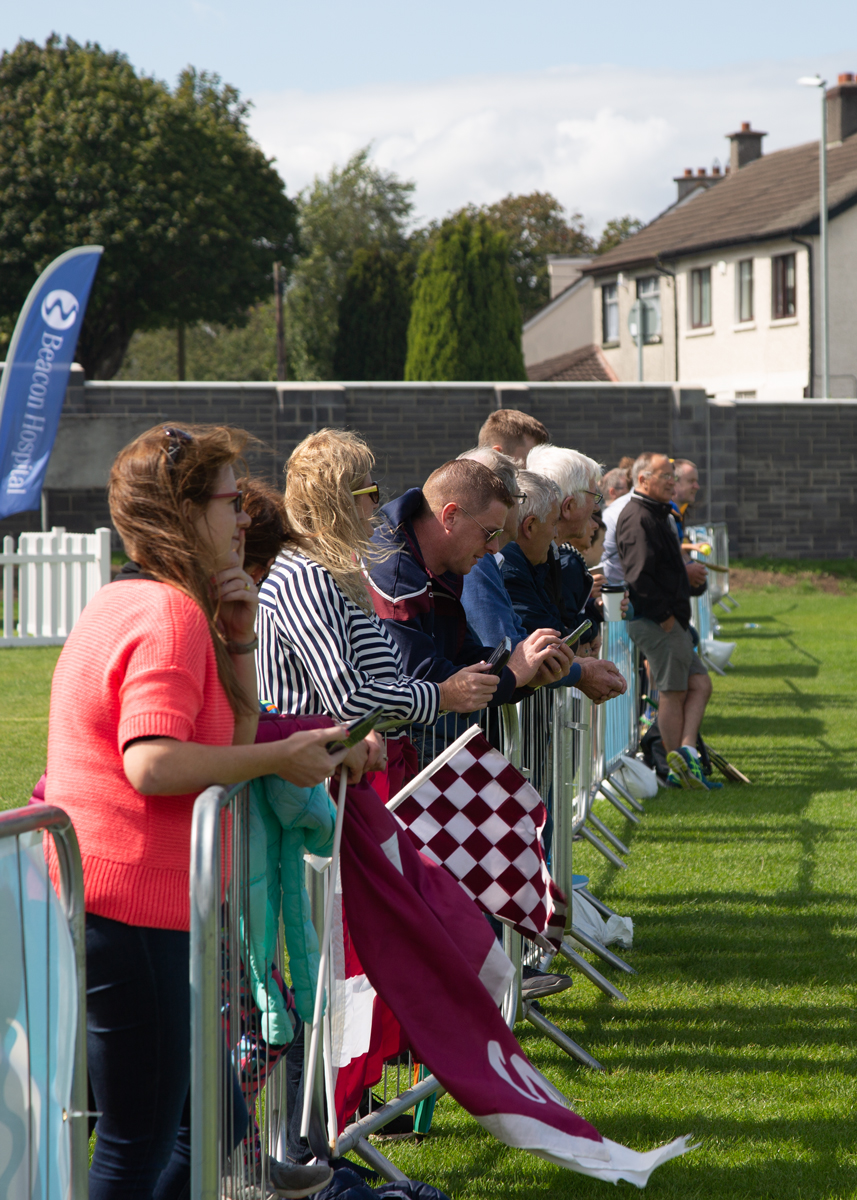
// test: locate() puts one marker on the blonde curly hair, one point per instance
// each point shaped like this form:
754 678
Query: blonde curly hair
320 476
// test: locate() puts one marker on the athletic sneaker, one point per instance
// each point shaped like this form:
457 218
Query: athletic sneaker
673 780
688 770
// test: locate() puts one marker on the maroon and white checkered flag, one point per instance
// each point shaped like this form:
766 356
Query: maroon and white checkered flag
479 818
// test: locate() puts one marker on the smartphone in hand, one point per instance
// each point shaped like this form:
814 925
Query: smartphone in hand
357 730
577 633
502 654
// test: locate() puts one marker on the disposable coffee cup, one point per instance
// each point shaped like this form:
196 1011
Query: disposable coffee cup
612 595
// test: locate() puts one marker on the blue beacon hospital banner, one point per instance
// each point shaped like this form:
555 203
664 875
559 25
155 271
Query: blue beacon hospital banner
36 373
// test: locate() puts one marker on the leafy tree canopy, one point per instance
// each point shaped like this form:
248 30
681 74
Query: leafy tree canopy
190 212
617 230
372 337
465 320
356 207
537 225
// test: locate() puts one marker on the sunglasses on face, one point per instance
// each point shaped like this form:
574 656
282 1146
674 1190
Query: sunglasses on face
237 499
373 492
489 536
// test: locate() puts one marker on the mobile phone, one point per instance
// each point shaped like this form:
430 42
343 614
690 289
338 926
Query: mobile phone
357 730
579 632
502 654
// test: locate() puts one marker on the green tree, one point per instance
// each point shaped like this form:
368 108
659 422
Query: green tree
536 225
355 207
190 212
372 337
617 230
465 319
212 351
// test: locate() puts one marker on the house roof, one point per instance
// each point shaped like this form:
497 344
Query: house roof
583 365
775 196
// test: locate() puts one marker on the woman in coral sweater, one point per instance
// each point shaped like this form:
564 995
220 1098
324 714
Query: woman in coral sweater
154 699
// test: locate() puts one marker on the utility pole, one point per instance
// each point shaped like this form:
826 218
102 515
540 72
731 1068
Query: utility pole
279 288
817 82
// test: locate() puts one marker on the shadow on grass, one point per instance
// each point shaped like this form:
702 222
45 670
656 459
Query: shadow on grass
777 671
749 726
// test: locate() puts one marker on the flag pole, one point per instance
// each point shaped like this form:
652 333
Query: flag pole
324 956
427 772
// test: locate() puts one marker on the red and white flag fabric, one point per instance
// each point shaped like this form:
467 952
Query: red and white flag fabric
431 956
480 818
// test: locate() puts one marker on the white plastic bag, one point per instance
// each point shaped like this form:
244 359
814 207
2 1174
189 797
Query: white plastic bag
589 920
637 778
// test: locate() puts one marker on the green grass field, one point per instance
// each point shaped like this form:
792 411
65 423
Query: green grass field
740 1026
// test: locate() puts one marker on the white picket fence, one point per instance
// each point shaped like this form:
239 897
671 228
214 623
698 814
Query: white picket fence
58 573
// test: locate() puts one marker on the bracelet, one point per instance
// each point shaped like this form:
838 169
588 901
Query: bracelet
243 647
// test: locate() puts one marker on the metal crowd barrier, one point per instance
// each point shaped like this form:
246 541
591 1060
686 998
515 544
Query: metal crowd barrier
43 1054
568 748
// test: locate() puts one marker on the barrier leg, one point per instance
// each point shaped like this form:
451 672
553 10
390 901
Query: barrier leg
373 1158
617 803
608 834
540 1021
602 951
623 791
601 848
580 964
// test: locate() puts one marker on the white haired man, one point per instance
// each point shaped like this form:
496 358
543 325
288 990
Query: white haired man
579 480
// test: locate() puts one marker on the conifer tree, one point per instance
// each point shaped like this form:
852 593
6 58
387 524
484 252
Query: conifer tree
465 319
372 338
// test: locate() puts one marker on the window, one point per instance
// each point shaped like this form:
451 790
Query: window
700 298
610 312
783 299
745 290
649 289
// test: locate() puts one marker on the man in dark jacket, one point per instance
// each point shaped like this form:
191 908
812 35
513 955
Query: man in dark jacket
526 572
431 538
657 579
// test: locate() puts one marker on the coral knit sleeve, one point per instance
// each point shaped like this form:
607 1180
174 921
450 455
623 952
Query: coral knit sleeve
139 663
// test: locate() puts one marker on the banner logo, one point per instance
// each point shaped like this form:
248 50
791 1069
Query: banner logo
60 309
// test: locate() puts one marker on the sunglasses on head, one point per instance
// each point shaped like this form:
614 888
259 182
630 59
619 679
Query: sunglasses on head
179 440
373 492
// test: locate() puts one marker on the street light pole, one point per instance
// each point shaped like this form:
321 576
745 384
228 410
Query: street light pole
821 84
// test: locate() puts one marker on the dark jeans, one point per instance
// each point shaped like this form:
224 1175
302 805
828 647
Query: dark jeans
138 1046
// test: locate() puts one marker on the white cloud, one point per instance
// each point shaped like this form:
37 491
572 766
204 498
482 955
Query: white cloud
605 140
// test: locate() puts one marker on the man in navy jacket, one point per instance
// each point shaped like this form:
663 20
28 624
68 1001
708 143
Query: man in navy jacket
429 539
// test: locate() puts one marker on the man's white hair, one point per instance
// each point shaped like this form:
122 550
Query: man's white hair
500 464
541 495
572 471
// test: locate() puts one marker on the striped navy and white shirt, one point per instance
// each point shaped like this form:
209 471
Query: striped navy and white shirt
320 653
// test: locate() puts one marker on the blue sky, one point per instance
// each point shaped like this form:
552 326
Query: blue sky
601 104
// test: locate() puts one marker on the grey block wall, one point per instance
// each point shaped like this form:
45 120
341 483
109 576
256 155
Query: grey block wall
784 476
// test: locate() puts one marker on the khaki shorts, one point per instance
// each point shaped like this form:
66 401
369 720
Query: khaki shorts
672 658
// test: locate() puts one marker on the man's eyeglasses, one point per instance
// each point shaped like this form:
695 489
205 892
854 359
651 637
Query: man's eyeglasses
489 536
180 440
373 492
237 499
521 496
599 499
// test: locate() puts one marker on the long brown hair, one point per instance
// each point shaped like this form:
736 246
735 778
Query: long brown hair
158 485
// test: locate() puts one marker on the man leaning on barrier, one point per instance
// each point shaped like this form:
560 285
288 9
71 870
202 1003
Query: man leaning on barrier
526 572
657 577
429 539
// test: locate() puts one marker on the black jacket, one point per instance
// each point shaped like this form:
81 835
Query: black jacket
651 559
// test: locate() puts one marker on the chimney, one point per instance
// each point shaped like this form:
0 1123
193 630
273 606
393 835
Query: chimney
746 146
688 182
842 109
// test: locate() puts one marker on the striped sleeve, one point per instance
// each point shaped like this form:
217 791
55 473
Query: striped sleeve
318 652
